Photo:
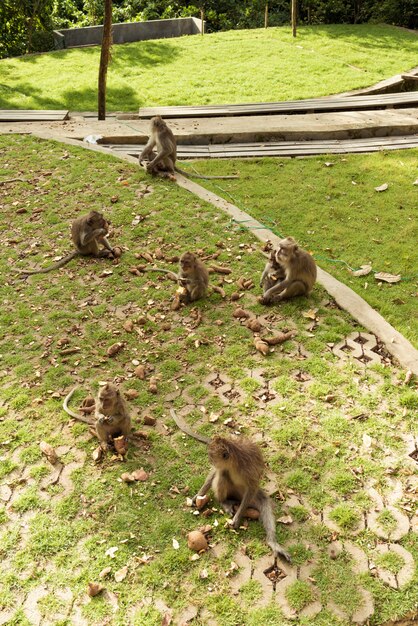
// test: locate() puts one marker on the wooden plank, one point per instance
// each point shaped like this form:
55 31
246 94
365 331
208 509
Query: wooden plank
283 148
21 115
292 106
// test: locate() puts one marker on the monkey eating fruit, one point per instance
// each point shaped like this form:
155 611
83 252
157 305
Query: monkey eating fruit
235 479
289 272
163 161
111 419
87 232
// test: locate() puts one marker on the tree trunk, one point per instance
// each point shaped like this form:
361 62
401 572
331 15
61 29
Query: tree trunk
294 17
104 59
266 15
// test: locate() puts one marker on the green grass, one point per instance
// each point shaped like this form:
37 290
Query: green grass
342 224
57 535
214 69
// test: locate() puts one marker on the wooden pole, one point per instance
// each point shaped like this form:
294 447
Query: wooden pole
294 17
202 19
266 15
104 59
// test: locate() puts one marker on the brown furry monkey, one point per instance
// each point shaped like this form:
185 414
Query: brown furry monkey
290 272
235 479
111 414
163 161
193 277
87 232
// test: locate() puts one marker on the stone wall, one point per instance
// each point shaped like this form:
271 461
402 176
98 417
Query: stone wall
127 32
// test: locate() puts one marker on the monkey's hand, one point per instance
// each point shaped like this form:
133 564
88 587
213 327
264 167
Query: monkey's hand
235 522
264 300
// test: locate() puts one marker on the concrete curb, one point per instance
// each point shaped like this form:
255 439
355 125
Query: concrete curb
396 344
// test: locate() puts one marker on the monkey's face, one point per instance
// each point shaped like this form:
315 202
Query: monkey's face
187 262
96 221
218 452
285 252
108 396
157 123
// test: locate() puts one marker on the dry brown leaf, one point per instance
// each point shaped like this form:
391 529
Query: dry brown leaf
105 572
94 589
140 372
140 474
363 271
388 278
149 420
121 574
127 477
49 452
382 187
131 394
285 519
128 326
311 314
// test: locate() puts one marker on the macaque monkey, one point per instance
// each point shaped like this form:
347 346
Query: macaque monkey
87 232
235 479
193 277
111 416
290 272
163 161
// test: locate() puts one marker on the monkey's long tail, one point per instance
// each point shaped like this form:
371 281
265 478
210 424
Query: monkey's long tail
76 416
186 428
172 275
55 266
194 175
268 521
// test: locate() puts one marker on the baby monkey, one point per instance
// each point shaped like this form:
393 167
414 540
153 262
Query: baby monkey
87 232
193 276
235 479
163 161
111 418
289 272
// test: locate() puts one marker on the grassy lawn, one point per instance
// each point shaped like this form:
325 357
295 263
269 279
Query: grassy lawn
337 215
230 67
331 430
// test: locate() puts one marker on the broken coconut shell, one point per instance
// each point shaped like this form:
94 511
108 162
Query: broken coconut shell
197 541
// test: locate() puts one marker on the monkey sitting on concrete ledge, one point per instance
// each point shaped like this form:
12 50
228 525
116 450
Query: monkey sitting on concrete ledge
163 162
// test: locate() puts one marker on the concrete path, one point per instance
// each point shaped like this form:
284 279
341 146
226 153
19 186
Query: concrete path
343 125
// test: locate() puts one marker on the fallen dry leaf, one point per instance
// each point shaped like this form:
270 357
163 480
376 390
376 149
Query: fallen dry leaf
111 552
363 271
280 337
105 572
127 478
311 314
176 544
139 371
131 394
140 474
128 326
285 519
94 589
382 187
388 278
121 574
